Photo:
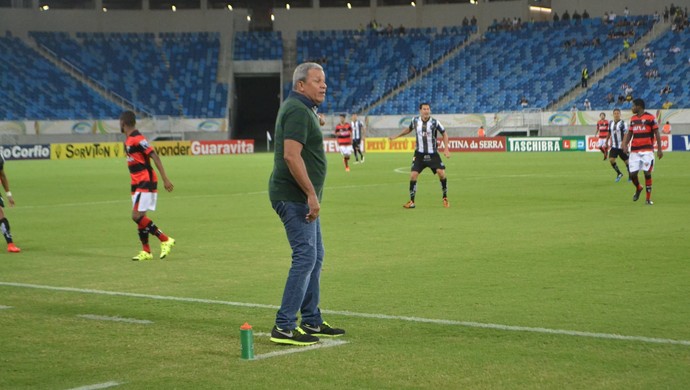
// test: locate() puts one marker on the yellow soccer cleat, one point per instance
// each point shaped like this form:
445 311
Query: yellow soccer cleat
166 247
143 256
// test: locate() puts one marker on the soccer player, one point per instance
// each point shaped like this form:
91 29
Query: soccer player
617 130
602 133
343 133
643 129
358 131
144 186
426 151
4 223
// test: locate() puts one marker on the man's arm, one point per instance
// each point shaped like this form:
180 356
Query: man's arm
659 152
446 150
292 154
6 186
626 140
404 132
159 164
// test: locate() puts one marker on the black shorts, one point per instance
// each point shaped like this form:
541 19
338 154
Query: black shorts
431 161
356 142
615 152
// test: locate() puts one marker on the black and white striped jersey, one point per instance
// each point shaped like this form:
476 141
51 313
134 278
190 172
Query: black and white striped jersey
357 127
426 133
618 130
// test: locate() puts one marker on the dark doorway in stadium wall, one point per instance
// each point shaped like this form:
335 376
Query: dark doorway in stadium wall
257 104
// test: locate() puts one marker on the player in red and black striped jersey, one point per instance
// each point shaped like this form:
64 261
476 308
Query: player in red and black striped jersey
144 186
603 133
4 223
640 137
343 133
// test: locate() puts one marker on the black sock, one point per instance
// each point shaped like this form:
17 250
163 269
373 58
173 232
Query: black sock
615 166
5 228
413 189
444 187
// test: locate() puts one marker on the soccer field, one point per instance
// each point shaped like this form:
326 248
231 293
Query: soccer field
542 274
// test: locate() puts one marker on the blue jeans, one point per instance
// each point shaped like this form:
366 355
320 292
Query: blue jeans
302 286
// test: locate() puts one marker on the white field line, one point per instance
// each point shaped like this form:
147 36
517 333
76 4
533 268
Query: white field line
5 307
97 386
321 344
469 324
115 319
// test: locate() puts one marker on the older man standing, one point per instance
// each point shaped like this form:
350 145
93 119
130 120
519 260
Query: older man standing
295 189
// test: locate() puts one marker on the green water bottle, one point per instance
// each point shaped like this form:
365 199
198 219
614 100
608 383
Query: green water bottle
247 339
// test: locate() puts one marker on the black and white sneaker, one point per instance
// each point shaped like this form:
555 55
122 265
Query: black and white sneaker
292 337
649 202
323 330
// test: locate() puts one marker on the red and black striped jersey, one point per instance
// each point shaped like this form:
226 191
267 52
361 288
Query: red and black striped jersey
343 132
139 162
603 128
643 128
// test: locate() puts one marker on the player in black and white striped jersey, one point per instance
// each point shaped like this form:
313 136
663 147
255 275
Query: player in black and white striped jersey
358 131
426 154
617 130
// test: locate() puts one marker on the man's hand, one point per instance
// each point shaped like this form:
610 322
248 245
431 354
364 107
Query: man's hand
314 208
10 198
660 153
446 153
168 185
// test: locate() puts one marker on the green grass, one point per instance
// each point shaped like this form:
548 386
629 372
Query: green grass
535 240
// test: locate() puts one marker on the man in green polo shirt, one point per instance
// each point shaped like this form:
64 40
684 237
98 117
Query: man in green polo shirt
295 188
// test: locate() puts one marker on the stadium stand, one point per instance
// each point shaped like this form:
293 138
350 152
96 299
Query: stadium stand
539 61
258 45
363 66
32 87
671 68
176 77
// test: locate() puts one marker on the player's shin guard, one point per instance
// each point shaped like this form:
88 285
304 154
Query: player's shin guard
146 223
413 189
444 187
648 187
5 228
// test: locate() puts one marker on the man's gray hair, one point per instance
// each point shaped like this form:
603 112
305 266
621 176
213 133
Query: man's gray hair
302 70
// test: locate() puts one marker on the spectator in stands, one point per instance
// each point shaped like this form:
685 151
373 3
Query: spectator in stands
573 108
556 19
621 99
666 14
657 17
524 102
585 15
566 16
605 18
668 104
612 17
401 30
465 22
587 105
674 50
609 98
667 128
633 55
648 61
576 16
665 90
628 89
473 21
585 77
626 13
481 132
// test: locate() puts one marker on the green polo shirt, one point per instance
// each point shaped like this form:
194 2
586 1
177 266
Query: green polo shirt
297 121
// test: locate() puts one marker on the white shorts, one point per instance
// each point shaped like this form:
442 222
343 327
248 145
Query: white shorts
641 161
346 150
144 201
601 143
